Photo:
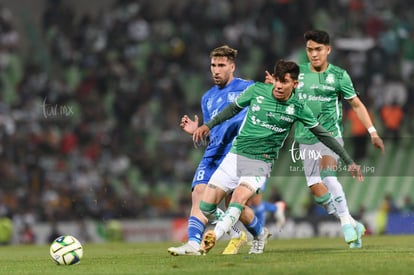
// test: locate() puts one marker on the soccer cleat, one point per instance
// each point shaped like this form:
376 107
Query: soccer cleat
350 233
360 230
208 242
185 249
259 242
235 244
280 214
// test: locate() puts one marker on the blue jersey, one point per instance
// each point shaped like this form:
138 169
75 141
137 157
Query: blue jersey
212 102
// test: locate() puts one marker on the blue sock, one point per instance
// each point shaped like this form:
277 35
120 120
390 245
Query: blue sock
260 212
195 229
269 207
255 227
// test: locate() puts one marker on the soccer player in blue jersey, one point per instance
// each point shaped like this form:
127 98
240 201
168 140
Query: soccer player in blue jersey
226 89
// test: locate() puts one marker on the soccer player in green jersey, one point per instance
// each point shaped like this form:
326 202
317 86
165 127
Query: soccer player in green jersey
272 110
321 86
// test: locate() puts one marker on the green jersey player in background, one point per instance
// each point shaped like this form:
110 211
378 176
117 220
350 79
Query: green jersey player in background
273 109
321 86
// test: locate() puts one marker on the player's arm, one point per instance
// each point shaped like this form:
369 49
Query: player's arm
231 110
363 115
326 138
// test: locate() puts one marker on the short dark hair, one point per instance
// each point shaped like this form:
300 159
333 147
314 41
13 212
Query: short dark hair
321 37
283 67
224 51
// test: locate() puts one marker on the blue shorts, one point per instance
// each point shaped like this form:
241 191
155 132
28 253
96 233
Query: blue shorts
205 169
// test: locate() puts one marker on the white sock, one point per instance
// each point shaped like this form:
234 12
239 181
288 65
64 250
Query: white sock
339 199
230 218
338 195
347 219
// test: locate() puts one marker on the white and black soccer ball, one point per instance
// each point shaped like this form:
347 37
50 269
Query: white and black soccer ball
66 250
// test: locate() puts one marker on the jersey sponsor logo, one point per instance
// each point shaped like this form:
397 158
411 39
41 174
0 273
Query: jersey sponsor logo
231 97
274 128
263 124
282 117
329 88
314 97
255 120
286 118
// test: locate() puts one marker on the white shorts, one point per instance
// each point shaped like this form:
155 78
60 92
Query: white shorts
235 169
312 154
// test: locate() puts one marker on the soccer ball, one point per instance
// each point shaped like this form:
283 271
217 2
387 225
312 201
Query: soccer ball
66 250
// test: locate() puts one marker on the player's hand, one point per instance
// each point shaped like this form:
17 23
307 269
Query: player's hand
377 142
200 134
355 171
269 79
188 125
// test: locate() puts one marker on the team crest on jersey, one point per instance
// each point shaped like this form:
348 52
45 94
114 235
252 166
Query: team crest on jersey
290 110
330 79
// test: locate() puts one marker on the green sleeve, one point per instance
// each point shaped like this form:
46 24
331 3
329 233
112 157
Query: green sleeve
231 110
331 143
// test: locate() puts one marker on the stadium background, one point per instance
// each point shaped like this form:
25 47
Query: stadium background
92 92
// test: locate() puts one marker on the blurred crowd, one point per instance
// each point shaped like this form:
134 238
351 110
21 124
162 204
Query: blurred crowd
89 119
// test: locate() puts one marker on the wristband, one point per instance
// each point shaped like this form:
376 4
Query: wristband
371 129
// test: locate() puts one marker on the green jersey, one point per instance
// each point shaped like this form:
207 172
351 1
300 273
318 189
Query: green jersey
322 92
268 122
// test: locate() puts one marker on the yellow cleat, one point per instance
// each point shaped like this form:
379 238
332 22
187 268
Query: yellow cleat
235 244
208 242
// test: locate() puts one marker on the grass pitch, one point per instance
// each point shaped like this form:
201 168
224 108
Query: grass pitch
380 255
